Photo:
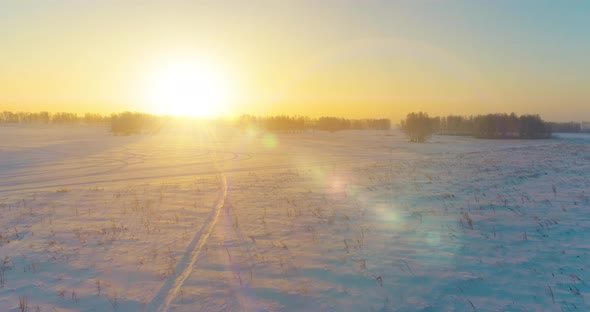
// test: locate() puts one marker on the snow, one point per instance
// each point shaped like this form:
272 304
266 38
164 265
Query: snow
213 219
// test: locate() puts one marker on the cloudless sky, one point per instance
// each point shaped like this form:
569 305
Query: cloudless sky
308 57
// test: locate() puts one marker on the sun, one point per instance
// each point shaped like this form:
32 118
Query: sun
189 88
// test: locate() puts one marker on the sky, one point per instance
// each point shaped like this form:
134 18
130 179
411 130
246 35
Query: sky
306 57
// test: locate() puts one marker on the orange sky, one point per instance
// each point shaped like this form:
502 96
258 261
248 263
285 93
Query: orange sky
340 58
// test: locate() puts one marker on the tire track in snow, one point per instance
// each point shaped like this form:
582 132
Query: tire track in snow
169 291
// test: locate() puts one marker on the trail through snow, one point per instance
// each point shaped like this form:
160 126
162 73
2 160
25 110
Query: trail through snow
185 267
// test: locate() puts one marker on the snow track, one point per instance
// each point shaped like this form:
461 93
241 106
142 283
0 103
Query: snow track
172 286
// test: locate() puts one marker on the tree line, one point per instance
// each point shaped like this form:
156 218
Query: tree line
273 123
52 118
335 124
298 123
128 123
125 123
418 127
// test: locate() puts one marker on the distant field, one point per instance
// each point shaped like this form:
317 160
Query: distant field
201 219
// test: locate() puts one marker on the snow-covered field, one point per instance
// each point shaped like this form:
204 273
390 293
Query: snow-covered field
203 219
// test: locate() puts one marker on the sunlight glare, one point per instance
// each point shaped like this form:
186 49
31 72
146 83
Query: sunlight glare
189 88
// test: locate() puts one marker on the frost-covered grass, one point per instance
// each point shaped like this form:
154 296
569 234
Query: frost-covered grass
216 220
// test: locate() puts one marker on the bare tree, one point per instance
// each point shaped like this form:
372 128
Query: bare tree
418 127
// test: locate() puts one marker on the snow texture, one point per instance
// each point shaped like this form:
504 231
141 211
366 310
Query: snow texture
213 219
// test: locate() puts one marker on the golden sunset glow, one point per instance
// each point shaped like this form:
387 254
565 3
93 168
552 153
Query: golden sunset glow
188 88
294 155
350 59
